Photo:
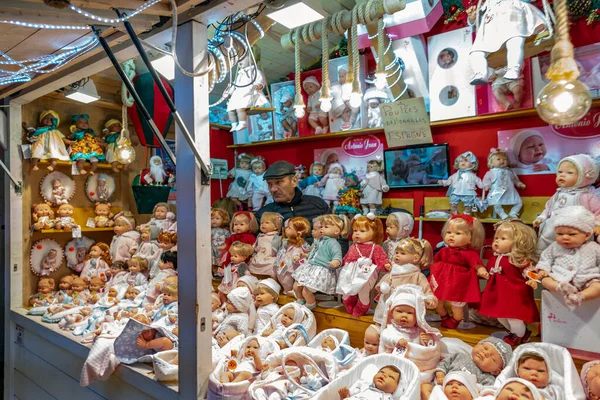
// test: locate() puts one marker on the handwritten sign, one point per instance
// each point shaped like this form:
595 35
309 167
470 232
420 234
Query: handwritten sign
405 122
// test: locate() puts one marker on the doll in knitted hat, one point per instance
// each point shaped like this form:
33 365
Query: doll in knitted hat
575 178
317 119
84 145
48 143
112 132
569 266
241 312
463 183
398 225
590 379
266 295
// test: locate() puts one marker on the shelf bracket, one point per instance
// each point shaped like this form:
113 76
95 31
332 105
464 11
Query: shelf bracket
17 185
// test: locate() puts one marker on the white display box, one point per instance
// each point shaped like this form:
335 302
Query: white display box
411 51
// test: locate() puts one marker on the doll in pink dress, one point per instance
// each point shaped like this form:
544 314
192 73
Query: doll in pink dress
292 251
364 258
237 267
97 262
243 227
398 225
267 245
457 268
219 232
126 238
332 182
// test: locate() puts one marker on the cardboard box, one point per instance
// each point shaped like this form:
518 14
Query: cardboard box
341 116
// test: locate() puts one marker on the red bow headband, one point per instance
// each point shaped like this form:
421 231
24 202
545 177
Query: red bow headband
467 218
246 213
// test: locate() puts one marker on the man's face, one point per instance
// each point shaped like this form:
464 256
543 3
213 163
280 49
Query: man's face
282 189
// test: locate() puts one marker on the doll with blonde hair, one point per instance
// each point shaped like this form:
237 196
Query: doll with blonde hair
166 308
508 294
292 251
97 262
373 186
257 185
243 226
219 232
457 267
500 182
239 253
360 265
126 238
307 185
463 183
410 257
318 273
137 271
267 245
398 225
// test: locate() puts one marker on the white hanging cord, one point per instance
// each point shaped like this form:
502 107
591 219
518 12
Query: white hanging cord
129 68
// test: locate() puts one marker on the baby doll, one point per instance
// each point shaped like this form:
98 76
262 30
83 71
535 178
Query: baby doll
237 267
533 365
84 145
218 312
250 362
148 248
411 256
374 97
219 232
501 87
507 295
117 274
398 225
574 178
167 241
487 360
45 295
112 131
243 227
517 388
42 217
96 289
47 141
528 154
590 379
126 238
59 192
500 182
332 183
97 262
329 344
102 188
50 263
318 272
65 218
148 339
104 217
307 185
457 266
384 385
286 116
267 245
257 187
80 294
167 266
266 296
317 119
349 196
250 282
571 265
240 312
247 92
240 174
373 185
462 183
265 127
291 251
371 341
138 268
361 263
165 308
457 385
65 294
277 329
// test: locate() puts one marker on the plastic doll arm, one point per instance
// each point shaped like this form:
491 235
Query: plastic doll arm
473 259
323 181
517 182
478 182
487 180
344 393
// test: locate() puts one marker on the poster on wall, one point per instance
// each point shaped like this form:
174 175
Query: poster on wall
353 154
538 150
406 122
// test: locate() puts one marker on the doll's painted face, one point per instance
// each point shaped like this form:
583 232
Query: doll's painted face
96 285
230 307
316 231
350 182
115 269
373 103
263 297
95 252
534 371
289 231
134 265
387 380
100 183
216 221
593 380
570 238
567 175
514 391
251 348
267 226
371 341
160 212
45 287
56 183
244 164
371 168
318 170
499 161
237 258
311 88
455 390
342 74
112 292
287 103
241 224
330 230
456 237
78 285
465 163
487 358
131 293
169 297
401 257
258 168
65 283
404 316
532 150
165 244
362 234
214 304
162 265
47 120
121 227
328 343
503 241
51 254
145 235
287 318
117 127
226 336
391 228
336 171
82 124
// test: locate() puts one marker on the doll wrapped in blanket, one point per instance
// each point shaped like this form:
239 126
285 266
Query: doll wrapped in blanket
266 295
384 384
223 343
75 320
285 324
139 339
247 363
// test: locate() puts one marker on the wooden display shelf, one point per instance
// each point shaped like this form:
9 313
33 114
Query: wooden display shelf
83 229
220 126
102 166
99 103
81 215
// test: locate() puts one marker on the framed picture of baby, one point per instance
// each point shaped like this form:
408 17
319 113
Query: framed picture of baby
260 126
285 122
344 117
505 95
537 150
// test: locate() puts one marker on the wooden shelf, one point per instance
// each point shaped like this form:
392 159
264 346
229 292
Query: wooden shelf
69 164
81 215
98 103
220 126
83 229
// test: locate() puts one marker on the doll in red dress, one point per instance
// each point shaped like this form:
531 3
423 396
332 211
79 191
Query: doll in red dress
508 295
456 268
364 258
243 228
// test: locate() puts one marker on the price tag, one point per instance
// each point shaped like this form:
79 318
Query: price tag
90 223
76 232
74 169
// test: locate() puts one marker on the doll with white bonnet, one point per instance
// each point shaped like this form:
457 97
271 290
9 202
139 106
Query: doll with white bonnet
457 385
398 225
571 265
374 97
265 299
500 182
240 175
590 379
257 187
332 182
317 119
286 117
528 154
575 178
47 141
240 312
412 255
267 245
126 238
373 186
371 341
249 282
292 251
463 183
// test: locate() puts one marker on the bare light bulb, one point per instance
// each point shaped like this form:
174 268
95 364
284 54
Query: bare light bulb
299 110
355 100
563 102
325 105
124 151
380 80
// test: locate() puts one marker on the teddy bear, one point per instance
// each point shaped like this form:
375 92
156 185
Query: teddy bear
65 218
103 217
43 216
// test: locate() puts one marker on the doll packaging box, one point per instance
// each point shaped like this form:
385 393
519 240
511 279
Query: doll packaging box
285 122
342 117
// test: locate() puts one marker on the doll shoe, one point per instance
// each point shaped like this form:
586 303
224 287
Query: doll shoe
360 309
513 339
233 127
350 303
317 130
241 126
449 322
311 306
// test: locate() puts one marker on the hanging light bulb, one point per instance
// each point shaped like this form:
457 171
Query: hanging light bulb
380 80
355 100
125 151
299 110
325 105
563 102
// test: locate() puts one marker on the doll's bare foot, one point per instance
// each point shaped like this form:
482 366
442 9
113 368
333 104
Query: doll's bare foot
93 168
35 168
566 288
115 168
574 300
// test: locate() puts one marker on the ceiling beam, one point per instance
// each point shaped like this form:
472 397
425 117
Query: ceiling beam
89 5
210 12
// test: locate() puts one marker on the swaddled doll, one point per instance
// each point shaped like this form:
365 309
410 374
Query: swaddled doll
240 312
266 296
72 321
292 314
330 343
590 379
458 385
311 379
384 385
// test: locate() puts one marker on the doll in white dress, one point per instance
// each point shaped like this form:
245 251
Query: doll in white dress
267 245
266 296
333 181
240 174
398 225
374 185
317 119
47 141
257 187
374 97
500 182
463 183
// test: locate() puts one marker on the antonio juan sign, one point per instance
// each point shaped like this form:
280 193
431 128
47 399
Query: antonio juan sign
405 122
587 127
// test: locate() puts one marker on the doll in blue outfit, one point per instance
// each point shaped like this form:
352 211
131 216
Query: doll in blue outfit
307 185
463 183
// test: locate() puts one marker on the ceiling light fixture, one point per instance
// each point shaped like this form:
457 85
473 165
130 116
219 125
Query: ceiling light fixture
165 66
294 14
83 92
